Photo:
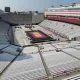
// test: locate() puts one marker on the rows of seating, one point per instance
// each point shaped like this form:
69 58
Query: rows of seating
77 55
60 63
76 77
13 50
65 45
7 54
29 66
47 48
3 32
47 32
26 67
64 29
5 59
20 37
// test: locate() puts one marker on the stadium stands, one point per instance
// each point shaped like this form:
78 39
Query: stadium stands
20 37
66 30
66 19
59 62
26 67
4 39
40 61
76 77
29 65
7 54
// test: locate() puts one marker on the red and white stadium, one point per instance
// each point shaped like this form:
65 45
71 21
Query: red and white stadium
66 13
48 50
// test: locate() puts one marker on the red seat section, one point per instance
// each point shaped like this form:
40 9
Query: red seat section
74 21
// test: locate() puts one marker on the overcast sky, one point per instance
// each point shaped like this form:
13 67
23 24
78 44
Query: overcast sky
33 5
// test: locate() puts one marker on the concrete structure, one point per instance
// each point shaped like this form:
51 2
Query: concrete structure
37 18
70 14
73 11
17 18
23 18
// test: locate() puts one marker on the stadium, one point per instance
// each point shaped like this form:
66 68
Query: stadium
47 48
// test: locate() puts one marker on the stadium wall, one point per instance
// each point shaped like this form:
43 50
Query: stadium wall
37 18
27 18
17 18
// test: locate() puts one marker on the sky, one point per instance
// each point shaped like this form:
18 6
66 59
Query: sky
34 5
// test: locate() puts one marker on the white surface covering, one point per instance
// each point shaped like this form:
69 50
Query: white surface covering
29 66
62 29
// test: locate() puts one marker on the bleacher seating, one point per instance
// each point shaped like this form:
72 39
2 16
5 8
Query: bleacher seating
59 62
29 66
74 51
61 58
69 31
3 32
5 59
7 54
26 67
